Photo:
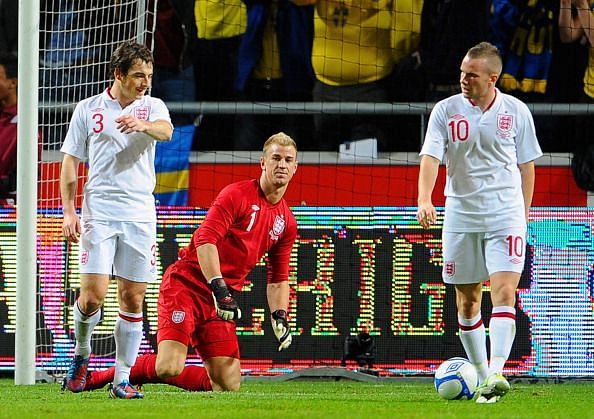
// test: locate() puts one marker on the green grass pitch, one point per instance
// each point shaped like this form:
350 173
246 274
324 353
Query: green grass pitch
299 399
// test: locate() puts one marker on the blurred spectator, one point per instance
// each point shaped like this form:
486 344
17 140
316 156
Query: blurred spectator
9 18
175 41
523 33
576 23
8 127
448 29
275 66
221 24
353 58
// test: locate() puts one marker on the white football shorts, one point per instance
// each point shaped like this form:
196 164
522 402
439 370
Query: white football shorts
126 249
470 258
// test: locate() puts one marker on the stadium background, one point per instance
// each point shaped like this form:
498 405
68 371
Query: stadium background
361 263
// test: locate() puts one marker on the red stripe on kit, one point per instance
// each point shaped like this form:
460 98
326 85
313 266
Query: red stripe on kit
504 314
130 319
474 326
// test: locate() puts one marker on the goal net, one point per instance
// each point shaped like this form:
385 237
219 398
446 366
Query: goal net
361 263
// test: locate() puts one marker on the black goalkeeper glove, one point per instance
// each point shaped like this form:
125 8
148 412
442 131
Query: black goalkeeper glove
227 308
280 326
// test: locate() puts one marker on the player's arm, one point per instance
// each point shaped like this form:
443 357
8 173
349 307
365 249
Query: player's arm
68 181
426 214
570 29
527 173
277 294
586 19
160 130
210 264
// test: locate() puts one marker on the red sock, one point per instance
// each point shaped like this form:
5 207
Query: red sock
99 379
143 370
192 378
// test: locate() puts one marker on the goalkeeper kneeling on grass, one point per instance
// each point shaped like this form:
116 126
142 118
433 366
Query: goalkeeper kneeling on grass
196 305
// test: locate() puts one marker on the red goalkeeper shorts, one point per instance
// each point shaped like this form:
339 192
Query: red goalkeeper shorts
187 314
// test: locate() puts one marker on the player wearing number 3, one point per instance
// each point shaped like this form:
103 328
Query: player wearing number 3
488 143
115 132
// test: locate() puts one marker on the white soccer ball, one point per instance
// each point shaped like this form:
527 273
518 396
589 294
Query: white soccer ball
455 379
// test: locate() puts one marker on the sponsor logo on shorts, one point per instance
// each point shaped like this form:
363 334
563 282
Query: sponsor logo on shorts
178 316
84 257
516 261
450 268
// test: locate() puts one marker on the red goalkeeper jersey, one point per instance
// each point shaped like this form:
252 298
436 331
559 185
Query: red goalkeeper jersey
244 226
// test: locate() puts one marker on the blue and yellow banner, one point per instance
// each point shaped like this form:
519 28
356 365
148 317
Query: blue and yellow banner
172 165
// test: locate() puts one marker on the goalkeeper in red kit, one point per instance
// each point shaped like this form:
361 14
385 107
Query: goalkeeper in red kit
196 305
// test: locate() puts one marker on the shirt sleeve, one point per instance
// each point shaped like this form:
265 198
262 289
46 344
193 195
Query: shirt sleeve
436 138
527 147
280 254
159 111
219 218
75 143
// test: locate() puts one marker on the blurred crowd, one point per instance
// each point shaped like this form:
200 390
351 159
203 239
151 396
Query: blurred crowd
367 51
352 51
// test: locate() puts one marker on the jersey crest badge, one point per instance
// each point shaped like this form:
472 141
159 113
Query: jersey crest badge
141 112
450 268
505 122
178 316
84 257
278 227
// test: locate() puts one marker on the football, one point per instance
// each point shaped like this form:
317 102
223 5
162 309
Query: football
456 379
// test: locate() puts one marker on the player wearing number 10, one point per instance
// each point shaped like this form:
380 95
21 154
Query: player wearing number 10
115 132
488 142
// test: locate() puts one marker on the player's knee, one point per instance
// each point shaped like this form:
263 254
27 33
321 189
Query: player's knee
132 301
228 384
469 308
168 368
89 303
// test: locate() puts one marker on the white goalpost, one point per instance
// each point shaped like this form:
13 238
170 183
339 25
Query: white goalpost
26 192
64 51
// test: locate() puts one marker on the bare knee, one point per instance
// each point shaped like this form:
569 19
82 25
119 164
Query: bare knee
226 384
89 302
224 373
469 309
167 368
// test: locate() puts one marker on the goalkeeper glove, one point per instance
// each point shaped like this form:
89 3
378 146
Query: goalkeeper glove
225 304
280 326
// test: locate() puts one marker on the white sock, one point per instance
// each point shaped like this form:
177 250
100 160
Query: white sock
474 341
502 331
83 329
128 335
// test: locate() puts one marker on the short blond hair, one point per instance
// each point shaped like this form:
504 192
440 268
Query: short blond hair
490 53
281 139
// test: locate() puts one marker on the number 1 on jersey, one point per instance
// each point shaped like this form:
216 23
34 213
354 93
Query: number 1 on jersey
252 219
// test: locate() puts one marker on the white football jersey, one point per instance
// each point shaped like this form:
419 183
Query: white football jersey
121 176
481 151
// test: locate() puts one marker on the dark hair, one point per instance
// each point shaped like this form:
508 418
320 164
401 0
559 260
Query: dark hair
126 54
10 63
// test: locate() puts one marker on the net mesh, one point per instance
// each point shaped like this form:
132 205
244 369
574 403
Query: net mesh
77 39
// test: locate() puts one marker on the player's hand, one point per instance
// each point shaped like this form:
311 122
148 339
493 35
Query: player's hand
227 308
128 124
426 215
280 326
71 227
